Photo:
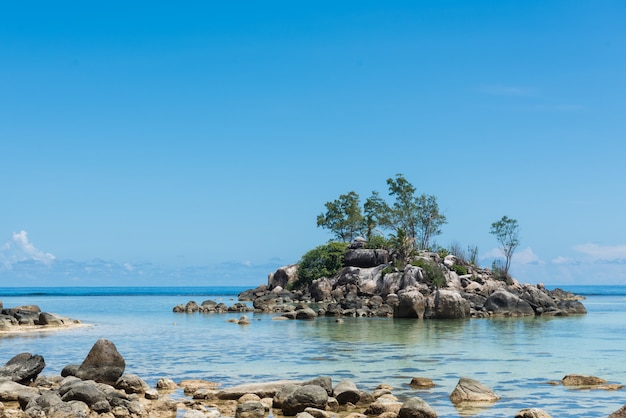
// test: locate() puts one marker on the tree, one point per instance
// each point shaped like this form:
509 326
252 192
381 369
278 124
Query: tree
506 231
343 217
417 216
322 261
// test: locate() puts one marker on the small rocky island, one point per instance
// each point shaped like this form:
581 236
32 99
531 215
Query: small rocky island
427 287
32 318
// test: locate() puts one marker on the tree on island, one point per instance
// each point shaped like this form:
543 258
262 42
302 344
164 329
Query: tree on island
343 217
411 219
506 231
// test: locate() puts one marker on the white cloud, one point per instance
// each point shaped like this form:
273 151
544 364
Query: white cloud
19 248
563 260
526 256
603 253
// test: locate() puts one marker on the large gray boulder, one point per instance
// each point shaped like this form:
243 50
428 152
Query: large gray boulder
103 364
283 276
250 409
540 301
504 303
365 257
571 307
321 289
411 304
23 368
470 390
447 304
84 391
307 396
416 408
12 391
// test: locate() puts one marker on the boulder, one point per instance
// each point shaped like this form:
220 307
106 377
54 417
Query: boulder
571 307
383 405
306 313
263 390
504 303
620 413
250 409
416 408
321 289
323 381
363 257
447 304
540 301
166 384
23 368
283 276
422 383
84 391
470 390
346 392
411 304
532 413
103 364
12 391
52 320
131 383
581 380
307 396
282 394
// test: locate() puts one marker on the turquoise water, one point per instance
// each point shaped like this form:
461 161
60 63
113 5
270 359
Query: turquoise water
515 357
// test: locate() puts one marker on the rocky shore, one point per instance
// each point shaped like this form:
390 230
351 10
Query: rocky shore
30 318
98 387
366 288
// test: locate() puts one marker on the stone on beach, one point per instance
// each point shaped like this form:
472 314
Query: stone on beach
22 368
416 408
347 392
307 396
103 364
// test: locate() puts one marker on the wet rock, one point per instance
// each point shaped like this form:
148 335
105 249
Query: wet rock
250 409
470 390
263 390
447 304
581 380
532 413
103 364
166 384
422 383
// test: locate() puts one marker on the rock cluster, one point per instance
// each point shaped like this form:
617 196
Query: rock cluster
210 306
31 316
98 387
362 289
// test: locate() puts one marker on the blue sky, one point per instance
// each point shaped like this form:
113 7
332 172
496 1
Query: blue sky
194 143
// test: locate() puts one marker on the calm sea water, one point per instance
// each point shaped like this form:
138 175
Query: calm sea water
515 357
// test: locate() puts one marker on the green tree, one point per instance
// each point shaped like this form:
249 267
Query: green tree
375 214
417 216
322 261
343 217
506 231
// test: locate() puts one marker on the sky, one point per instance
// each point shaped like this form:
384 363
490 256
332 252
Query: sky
155 143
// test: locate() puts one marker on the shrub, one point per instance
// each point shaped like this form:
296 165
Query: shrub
500 273
378 242
323 261
460 270
433 272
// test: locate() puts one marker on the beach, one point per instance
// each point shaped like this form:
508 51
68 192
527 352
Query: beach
516 357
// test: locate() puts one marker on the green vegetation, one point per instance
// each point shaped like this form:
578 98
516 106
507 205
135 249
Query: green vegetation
458 269
343 217
411 220
433 272
506 231
323 261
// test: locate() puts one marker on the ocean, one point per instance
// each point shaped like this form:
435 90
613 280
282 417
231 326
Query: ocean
516 357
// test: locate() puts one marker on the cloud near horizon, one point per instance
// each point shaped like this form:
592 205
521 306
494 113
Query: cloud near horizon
596 253
20 249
